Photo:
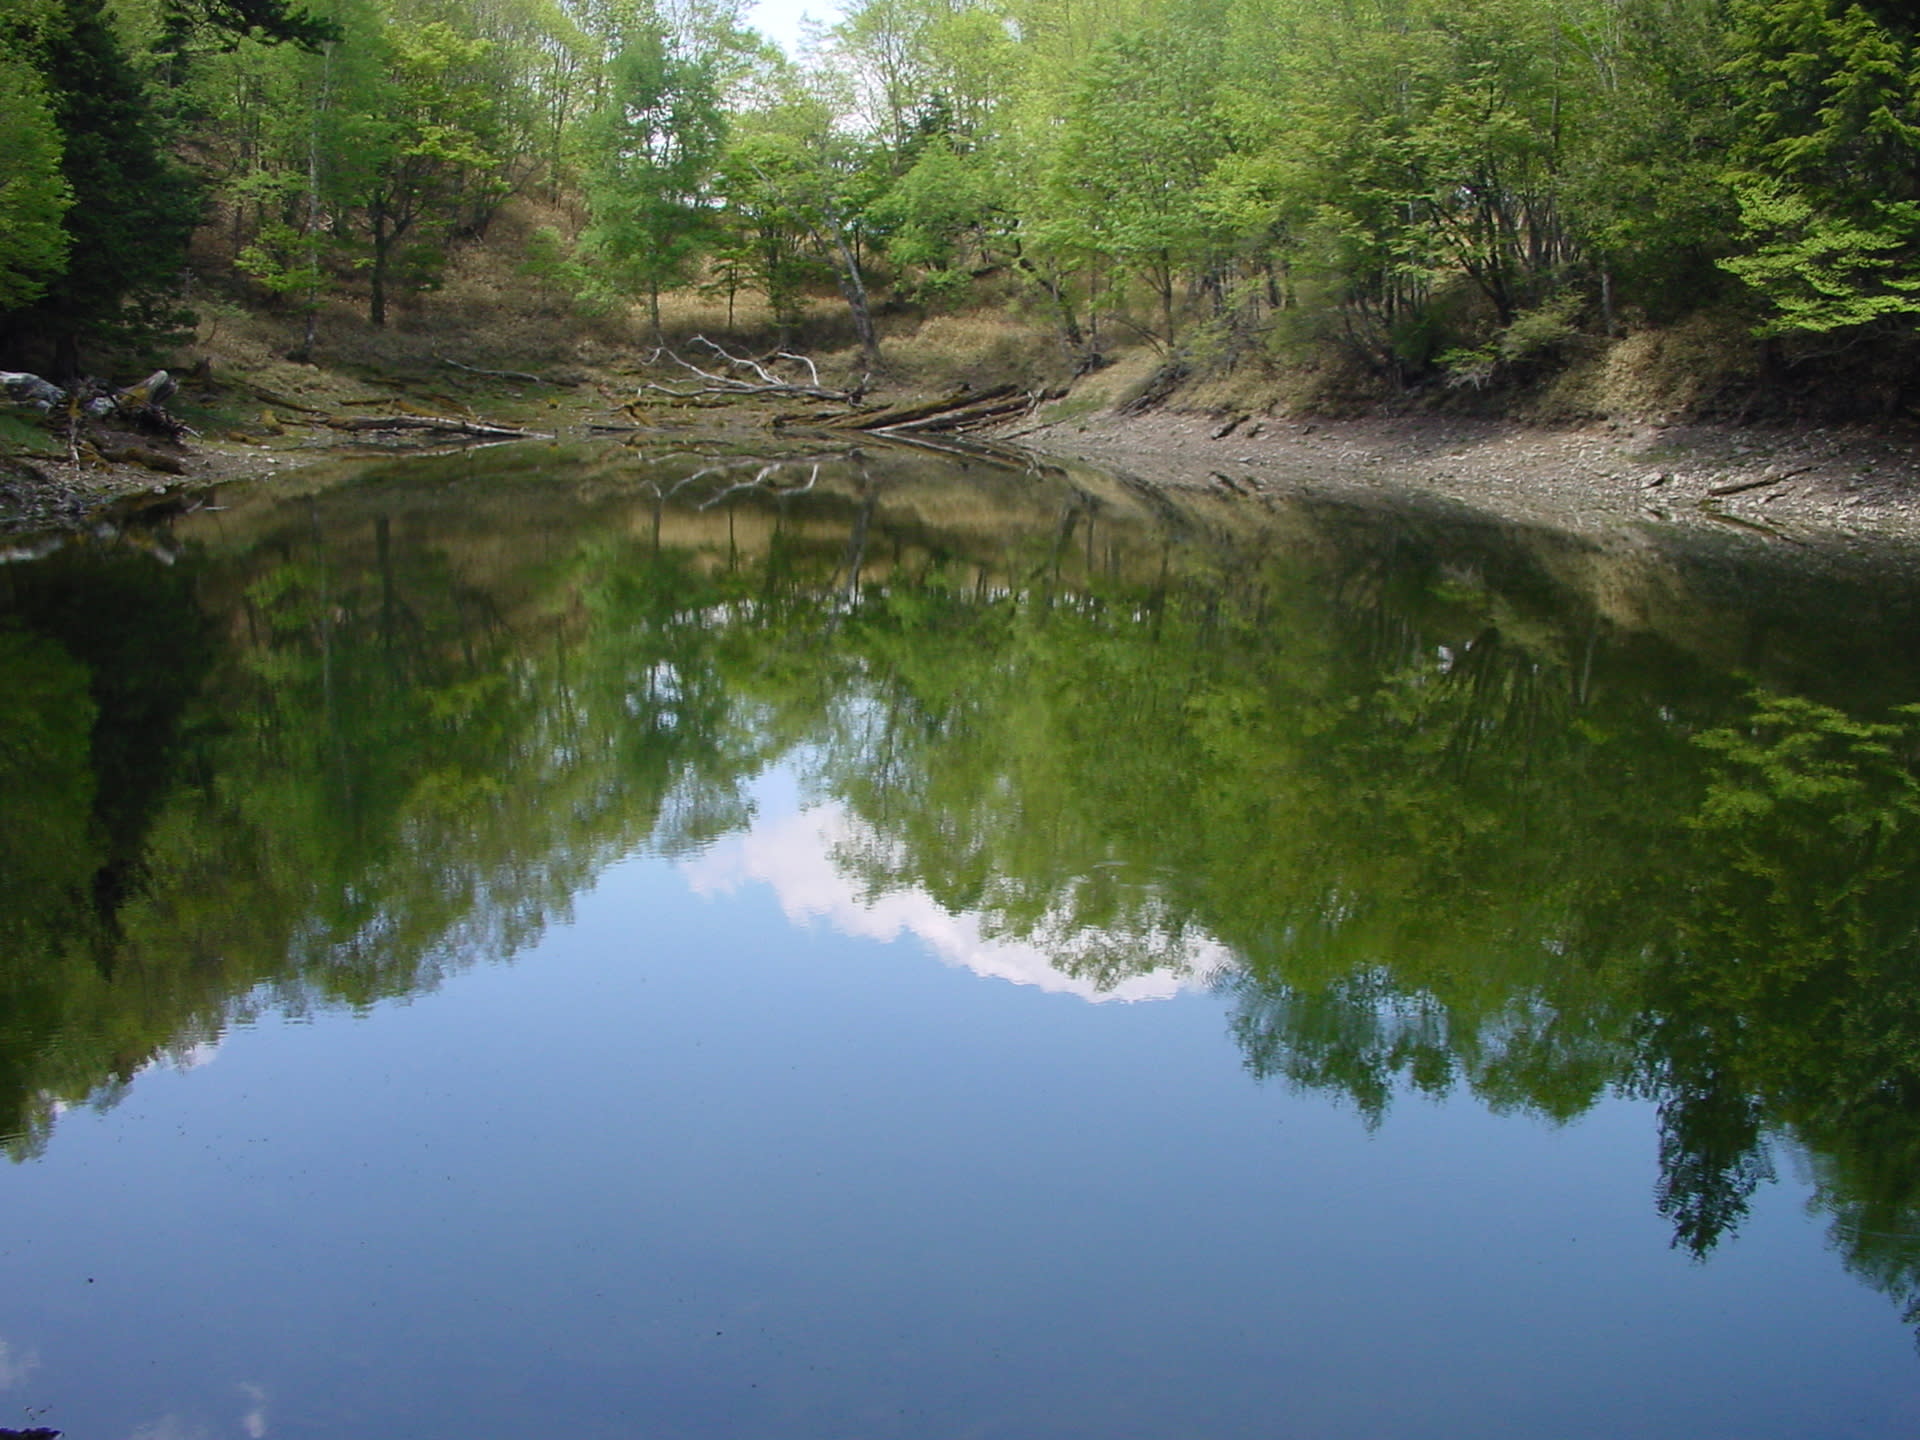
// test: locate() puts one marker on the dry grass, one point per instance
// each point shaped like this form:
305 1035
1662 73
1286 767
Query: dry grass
979 349
1684 370
1104 389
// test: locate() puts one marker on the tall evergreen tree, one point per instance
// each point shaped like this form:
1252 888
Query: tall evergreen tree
133 208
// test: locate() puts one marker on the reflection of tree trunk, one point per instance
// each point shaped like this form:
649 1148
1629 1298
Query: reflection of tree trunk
1062 538
383 551
1586 666
857 541
329 701
1157 597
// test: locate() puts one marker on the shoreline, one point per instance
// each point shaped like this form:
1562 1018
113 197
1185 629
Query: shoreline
1822 486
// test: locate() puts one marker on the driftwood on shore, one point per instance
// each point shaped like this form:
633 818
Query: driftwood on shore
439 424
1738 487
962 410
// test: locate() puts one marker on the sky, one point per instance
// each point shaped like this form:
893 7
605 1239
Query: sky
780 19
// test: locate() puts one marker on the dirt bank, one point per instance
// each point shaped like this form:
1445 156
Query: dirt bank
1805 486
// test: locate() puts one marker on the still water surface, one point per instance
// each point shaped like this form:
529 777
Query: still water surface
568 942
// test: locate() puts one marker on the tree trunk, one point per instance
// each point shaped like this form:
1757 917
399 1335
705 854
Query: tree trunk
377 306
1163 281
854 288
66 355
1069 322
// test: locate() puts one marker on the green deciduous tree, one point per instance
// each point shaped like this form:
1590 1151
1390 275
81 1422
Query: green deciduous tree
34 196
1139 140
412 149
652 151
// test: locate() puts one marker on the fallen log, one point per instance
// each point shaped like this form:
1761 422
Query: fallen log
908 415
983 409
439 424
962 410
1740 486
145 457
972 416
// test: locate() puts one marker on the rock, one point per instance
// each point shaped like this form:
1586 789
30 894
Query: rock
25 389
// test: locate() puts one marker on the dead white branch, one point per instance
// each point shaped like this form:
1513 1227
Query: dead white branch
764 381
497 374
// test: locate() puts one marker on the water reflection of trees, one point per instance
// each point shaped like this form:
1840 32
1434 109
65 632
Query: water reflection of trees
1455 829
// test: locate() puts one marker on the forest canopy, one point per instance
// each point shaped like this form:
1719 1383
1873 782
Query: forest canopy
1436 192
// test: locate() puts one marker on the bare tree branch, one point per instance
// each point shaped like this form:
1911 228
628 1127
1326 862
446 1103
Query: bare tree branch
765 382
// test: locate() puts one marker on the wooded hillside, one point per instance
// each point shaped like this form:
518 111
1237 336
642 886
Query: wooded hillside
1435 193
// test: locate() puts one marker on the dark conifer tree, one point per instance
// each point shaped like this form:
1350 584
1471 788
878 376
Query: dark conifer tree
133 209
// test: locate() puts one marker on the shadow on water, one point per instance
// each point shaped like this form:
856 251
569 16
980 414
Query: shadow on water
1465 808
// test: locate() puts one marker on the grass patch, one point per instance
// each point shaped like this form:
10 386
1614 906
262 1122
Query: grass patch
26 436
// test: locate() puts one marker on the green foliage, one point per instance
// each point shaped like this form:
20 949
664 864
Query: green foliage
34 196
1821 272
553 265
1829 113
1419 185
1537 334
653 148
412 146
132 209
1137 144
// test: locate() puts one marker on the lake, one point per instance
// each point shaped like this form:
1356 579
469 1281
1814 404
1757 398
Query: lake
877 942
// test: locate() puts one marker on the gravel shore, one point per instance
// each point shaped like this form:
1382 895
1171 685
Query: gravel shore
1822 486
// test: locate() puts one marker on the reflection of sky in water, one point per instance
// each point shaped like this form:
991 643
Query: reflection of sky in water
15 1368
792 851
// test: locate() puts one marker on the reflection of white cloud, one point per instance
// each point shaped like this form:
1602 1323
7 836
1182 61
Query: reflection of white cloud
171 1427
194 1056
254 1422
184 1057
15 1368
794 855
